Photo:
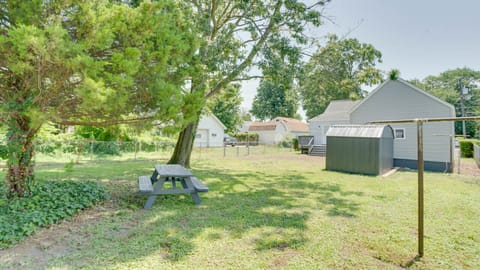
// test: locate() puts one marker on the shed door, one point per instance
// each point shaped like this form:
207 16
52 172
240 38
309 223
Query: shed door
201 138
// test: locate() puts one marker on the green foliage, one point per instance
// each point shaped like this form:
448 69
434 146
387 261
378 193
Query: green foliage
295 144
48 203
112 133
225 105
287 142
394 74
3 151
276 95
274 100
227 56
69 166
252 138
93 62
337 71
466 147
447 86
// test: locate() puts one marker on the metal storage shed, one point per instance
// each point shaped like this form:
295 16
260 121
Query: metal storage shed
365 149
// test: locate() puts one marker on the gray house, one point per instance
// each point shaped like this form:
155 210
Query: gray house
336 113
396 100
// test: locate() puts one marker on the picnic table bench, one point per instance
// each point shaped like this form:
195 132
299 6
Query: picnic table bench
155 185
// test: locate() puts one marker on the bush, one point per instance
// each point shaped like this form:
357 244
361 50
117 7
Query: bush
466 147
286 143
295 144
49 203
252 138
3 151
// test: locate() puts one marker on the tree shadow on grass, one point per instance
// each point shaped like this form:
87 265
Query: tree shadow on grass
268 210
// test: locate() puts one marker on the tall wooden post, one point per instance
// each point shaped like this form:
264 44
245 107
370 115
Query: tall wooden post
420 186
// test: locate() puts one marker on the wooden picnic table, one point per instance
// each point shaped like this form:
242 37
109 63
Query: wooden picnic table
175 174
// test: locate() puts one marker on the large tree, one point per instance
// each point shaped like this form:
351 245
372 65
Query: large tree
89 62
233 34
276 95
337 71
448 86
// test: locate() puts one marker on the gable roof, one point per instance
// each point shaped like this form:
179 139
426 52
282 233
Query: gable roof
262 126
215 119
410 86
290 123
293 124
337 110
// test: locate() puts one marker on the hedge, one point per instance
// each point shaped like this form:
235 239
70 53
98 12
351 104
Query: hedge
466 147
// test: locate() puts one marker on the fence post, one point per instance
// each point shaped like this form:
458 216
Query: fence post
91 150
248 144
459 157
200 152
135 150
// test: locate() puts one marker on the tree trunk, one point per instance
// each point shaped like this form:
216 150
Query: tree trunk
184 146
20 152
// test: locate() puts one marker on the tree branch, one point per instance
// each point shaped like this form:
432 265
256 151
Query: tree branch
242 66
102 123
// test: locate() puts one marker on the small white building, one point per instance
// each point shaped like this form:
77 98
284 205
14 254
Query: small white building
397 100
210 132
278 129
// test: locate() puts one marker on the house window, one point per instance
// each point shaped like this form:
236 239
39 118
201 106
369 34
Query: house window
214 134
198 136
399 133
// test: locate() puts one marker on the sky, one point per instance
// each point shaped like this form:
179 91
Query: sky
417 37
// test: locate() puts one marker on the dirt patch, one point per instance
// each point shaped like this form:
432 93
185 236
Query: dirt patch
55 241
469 169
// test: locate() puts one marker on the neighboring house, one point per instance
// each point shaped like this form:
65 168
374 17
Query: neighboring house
210 132
336 113
243 128
396 100
276 130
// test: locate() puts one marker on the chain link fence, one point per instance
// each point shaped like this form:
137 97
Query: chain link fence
82 151
85 151
239 151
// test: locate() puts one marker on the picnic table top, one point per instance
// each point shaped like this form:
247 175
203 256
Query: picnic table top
174 170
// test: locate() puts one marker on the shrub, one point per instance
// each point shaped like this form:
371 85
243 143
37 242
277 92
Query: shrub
466 147
252 138
295 144
286 143
3 151
49 203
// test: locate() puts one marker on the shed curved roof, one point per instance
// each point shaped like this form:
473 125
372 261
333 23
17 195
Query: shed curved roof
361 131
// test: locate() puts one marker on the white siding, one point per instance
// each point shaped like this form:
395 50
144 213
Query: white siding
271 136
280 133
210 132
295 134
265 136
319 130
396 100
201 138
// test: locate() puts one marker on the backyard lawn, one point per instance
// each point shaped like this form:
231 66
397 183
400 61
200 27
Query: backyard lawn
279 211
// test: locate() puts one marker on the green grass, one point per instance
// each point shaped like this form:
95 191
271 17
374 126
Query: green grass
274 211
